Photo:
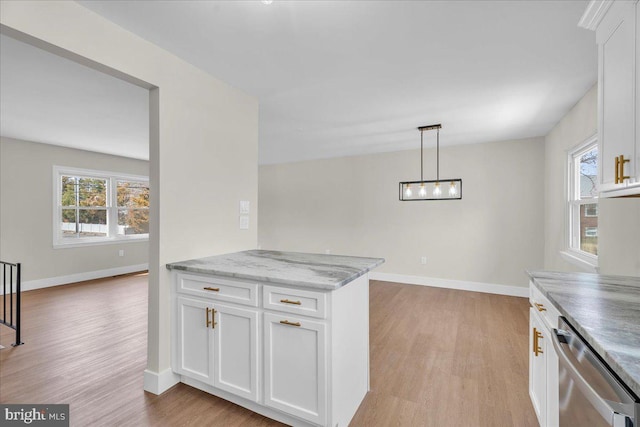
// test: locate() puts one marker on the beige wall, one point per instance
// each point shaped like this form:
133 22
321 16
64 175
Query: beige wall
350 205
619 236
26 211
579 124
203 144
619 219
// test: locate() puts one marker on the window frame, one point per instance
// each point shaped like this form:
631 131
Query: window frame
111 208
573 202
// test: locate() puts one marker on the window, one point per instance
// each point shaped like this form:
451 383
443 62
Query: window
591 210
96 207
583 202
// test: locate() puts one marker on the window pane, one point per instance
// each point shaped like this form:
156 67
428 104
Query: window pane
93 223
589 229
589 174
133 194
92 192
68 224
79 191
133 221
68 191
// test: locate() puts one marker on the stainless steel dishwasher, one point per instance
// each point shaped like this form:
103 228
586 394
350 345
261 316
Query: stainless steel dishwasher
590 394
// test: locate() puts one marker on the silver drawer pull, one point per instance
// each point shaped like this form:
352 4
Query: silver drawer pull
212 289
286 301
286 322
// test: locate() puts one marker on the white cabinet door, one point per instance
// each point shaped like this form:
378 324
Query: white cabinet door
295 366
616 37
537 366
194 352
235 354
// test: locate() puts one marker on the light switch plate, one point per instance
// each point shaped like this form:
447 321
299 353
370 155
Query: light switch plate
244 222
244 206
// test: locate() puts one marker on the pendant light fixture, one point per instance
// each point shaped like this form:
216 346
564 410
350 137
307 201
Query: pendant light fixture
438 189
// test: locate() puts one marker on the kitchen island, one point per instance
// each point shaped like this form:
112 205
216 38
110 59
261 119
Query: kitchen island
283 334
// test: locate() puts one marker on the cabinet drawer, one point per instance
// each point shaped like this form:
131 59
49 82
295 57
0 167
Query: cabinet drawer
217 288
543 307
297 301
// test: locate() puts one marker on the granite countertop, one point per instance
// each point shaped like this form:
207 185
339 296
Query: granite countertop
288 268
605 310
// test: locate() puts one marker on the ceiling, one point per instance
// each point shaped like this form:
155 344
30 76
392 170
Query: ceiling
337 78
49 99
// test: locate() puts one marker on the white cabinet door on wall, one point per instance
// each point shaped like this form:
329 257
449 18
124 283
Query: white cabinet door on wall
194 349
295 366
235 354
617 116
537 367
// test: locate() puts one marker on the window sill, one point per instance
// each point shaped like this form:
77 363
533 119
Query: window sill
82 243
587 263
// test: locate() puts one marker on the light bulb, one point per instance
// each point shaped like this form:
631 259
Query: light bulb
436 190
423 191
453 190
267 1
407 191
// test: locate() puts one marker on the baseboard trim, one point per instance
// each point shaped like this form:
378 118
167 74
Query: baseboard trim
158 383
31 285
489 288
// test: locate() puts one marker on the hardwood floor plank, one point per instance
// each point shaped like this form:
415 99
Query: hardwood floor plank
439 357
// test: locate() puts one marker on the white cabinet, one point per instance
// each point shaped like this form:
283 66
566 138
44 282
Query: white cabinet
235 350
543 361
194 339
538 366
616 25
300 356
217 344
295 366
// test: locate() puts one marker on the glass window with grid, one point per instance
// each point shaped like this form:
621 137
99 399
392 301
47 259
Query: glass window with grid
99 207
583 200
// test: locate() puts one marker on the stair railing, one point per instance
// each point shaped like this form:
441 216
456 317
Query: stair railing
8 310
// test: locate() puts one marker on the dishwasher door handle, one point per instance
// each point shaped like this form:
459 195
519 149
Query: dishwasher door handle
613 412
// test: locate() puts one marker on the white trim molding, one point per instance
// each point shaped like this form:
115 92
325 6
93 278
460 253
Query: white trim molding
158 383
575 258
488 288
593 14
30 285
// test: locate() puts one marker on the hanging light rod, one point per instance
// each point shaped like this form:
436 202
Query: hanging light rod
430 127
431 189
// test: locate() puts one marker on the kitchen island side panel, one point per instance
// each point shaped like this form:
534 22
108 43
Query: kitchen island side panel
350 349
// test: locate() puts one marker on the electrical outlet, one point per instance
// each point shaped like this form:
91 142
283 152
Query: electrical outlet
121 252
423 260
244 206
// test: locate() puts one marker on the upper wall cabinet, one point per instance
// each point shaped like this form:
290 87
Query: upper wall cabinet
617 26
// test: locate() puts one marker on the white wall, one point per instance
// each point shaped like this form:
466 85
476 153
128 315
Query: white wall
26 211
203 147
350 205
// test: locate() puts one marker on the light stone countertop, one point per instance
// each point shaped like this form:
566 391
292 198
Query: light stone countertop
605 310
302 270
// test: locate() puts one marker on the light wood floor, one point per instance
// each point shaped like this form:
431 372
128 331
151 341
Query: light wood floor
438 358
